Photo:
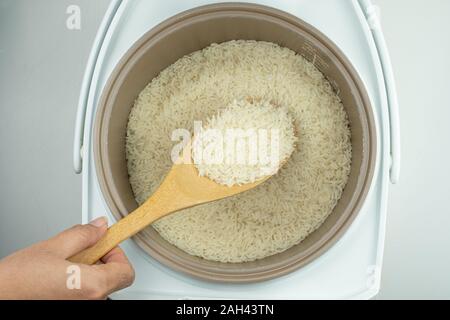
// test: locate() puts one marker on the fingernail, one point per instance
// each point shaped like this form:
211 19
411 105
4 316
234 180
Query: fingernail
99 222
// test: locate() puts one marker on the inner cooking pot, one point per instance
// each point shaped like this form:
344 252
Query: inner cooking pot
194 30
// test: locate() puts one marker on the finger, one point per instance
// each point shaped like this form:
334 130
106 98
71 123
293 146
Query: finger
76 239
115 255
117 270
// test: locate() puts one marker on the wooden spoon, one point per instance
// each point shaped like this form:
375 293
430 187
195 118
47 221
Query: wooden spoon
182 188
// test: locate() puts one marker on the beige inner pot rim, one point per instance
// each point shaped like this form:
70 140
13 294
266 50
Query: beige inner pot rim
162 46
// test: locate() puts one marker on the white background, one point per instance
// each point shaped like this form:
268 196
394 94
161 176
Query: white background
41 66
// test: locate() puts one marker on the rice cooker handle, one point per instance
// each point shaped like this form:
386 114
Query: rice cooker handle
371 13
87 84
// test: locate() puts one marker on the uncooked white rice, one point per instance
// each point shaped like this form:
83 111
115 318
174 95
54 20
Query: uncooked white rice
287 208
245 142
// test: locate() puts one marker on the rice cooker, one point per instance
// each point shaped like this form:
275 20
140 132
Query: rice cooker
343 39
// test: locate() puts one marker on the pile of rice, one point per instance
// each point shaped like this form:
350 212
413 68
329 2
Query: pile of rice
245 142
288 207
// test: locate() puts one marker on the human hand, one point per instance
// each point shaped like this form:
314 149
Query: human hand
42 270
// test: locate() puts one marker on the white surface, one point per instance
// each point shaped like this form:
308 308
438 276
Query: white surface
41 67
417 255
36 132
356 258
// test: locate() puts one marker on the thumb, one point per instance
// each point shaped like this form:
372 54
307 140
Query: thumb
78 238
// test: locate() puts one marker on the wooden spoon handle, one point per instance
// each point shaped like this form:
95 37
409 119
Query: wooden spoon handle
182 188
118 232
165 200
